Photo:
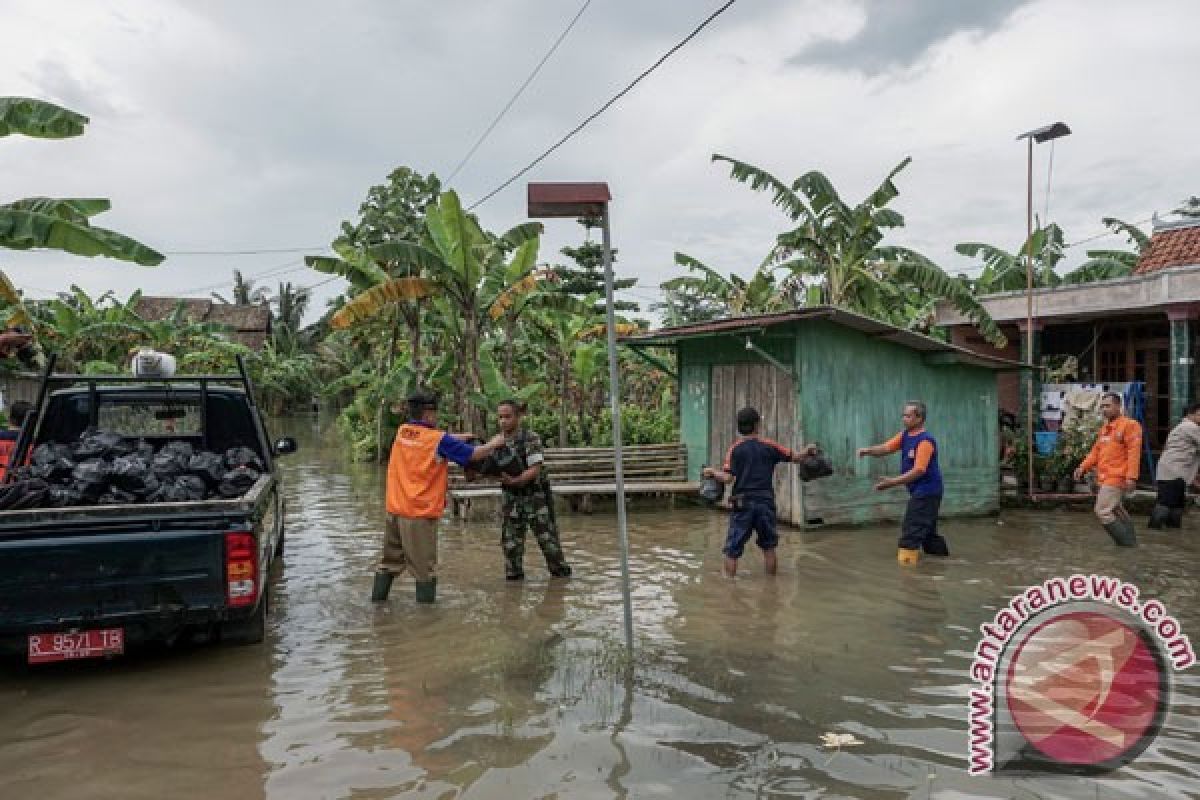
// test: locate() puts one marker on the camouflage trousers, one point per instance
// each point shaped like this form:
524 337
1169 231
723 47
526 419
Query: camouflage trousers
522 514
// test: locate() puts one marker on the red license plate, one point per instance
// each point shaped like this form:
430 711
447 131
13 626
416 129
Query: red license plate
47 647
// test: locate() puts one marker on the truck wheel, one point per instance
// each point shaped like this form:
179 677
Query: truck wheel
251 630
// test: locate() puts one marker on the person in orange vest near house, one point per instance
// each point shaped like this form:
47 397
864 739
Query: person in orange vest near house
417 477
1116 456
8 436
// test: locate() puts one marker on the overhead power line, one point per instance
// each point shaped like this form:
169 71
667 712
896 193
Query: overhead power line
264 251
516 95
1106 233
570 134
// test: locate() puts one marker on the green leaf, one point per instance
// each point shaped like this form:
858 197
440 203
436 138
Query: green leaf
39 119
782 196
371 302
24 230
74 209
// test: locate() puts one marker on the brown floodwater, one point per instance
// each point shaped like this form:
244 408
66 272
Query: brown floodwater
519 691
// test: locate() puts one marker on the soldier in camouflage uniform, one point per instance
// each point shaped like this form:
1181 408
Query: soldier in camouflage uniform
527 499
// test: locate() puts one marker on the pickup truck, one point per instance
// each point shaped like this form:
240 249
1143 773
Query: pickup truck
86 581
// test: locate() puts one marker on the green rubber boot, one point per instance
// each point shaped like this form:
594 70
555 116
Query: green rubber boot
1121 531
427 591
381 587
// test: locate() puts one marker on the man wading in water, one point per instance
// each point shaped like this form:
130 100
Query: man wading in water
750 467
417 478
922 476
528 503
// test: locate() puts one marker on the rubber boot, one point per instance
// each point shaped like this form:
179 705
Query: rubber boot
1121 531
1159 517
1175 518
936 545
381 587
427 591
908 558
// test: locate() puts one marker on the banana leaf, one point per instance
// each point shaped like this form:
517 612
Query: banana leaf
23 230
374 300
39 119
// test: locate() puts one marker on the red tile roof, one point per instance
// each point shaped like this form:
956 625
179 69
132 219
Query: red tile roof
1171 247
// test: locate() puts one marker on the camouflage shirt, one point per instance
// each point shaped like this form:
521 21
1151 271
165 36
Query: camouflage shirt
526 447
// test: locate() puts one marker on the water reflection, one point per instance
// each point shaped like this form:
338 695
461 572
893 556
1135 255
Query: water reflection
516 691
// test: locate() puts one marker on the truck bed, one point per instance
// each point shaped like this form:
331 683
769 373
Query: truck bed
29 521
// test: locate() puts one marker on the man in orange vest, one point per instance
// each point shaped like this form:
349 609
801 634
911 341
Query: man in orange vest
1116 457
417 477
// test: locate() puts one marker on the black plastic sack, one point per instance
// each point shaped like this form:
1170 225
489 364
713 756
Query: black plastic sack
236 482
712 489
47 453
143 450
129 473
502 462
815 466
172 460
242 457
101 444
90 479
207 466
182 489
63 497
116 497
54 470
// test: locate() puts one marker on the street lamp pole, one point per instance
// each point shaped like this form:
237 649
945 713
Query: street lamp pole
1044 134
591 200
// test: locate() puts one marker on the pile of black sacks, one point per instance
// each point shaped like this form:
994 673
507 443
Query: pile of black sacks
107 469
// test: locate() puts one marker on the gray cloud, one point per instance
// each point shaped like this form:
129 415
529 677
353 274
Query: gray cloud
897 33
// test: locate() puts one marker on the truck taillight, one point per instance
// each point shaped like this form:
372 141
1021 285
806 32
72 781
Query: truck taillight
241 568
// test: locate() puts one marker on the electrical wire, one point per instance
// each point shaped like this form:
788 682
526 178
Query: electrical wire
628 88
516 95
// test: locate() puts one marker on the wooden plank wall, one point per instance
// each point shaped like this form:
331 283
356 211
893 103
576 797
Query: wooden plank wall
853 388
773 393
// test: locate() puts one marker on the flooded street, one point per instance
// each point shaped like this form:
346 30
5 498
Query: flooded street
506 690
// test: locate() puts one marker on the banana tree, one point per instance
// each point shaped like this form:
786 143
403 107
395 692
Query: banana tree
837 247
561 336
460 259
734 295
54 223
1107 264
1006 272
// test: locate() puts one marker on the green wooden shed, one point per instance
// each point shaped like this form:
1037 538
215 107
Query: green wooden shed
827 375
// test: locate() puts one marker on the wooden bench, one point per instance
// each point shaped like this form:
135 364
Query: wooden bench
580 473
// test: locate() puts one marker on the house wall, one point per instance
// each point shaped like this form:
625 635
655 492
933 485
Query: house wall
852 389
717 376
849 394
1008 384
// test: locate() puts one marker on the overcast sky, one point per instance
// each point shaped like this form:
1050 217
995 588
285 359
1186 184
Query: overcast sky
231 125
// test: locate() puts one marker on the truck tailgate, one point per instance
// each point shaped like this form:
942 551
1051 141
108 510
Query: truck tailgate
81 578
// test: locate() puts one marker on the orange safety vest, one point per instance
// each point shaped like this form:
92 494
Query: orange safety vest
6 450
1117 453
417 476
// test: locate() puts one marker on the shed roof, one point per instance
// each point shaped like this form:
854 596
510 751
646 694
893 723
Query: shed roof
1175 244
664 337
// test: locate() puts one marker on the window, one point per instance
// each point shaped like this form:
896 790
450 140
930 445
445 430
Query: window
151 418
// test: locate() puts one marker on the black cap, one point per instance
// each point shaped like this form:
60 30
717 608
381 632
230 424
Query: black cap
422 401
